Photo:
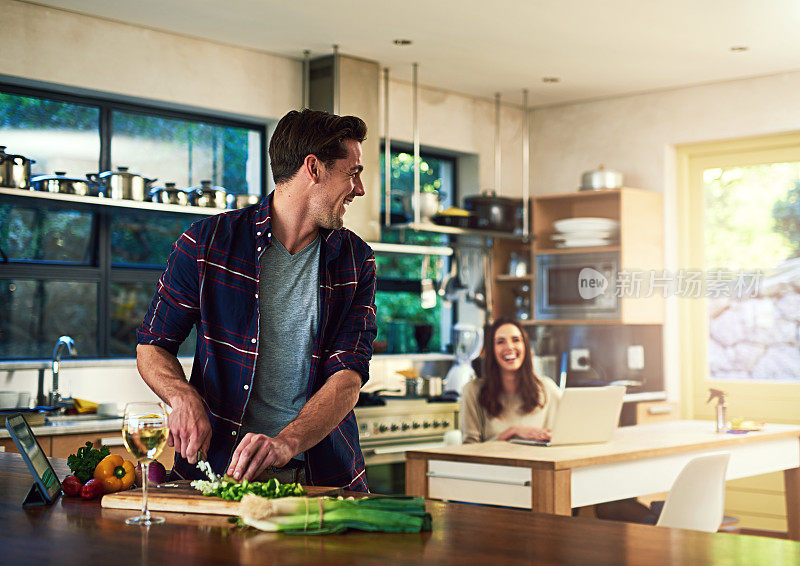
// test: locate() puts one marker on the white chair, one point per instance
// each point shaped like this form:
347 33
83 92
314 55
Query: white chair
697 498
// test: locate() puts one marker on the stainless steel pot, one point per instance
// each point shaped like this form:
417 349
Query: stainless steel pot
121 184
208 196
431 386
60 183
423 386
601 178
242 201
169 194
496 213
15 170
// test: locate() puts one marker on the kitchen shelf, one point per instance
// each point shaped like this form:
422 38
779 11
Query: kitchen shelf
438 229
385 248
555 251
417 357
582 195
571 322
514 278
116 203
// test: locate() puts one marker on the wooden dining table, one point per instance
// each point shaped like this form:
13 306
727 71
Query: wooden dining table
77 532
637 461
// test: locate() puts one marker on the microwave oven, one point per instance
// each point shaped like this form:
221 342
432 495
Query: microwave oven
577 286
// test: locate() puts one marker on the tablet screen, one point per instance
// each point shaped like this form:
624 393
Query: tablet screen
34 456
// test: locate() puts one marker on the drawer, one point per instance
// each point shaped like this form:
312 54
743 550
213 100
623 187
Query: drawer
656 412
480 483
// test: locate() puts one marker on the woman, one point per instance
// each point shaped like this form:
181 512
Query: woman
509 401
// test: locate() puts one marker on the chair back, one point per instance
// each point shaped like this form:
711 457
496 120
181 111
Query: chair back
697 498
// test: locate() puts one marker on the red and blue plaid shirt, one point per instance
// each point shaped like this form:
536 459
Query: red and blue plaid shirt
211 283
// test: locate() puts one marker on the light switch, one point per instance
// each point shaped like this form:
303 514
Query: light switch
635 357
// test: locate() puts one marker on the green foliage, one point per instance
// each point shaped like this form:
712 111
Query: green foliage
85 460
25 112
741 228
786 212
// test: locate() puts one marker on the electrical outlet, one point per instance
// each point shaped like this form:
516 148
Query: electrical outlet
579 359
635 358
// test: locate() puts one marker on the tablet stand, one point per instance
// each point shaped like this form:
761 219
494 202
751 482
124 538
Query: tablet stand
35 497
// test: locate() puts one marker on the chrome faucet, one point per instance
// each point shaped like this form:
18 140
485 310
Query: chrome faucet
63 342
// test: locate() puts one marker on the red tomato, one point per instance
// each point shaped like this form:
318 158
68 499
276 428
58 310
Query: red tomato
92 489
71 486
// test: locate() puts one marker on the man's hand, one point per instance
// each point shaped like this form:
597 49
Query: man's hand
189 429
255 453
525 432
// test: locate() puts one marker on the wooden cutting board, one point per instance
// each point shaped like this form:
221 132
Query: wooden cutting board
183 499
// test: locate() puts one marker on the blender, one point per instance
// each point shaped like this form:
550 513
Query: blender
468 341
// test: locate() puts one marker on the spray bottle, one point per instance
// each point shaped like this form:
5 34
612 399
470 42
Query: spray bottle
722 408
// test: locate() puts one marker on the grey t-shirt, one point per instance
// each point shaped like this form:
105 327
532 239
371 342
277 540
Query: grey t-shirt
288 306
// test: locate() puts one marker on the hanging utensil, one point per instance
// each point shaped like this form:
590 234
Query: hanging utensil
451 284
428 293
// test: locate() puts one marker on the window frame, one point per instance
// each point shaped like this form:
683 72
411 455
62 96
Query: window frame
389 285
756 399
100 269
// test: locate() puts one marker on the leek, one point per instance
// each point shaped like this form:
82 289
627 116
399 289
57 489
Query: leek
325 515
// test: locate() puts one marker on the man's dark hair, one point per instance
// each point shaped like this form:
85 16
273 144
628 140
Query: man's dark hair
311 132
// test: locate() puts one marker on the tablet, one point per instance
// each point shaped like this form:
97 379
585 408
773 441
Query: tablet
46 486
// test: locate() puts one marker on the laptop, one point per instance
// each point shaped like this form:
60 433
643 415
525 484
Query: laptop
586 415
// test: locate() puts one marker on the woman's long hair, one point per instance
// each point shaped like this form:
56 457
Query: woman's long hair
529 387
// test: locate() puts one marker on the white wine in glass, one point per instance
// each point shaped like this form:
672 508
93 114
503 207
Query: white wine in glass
145 432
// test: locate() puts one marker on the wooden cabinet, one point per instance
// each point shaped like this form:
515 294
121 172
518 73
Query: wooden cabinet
62 445
640 247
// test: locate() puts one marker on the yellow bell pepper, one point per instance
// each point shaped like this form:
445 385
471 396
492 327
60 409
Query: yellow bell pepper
115 473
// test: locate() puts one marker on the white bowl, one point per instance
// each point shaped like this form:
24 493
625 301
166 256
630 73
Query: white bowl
585 224
9 399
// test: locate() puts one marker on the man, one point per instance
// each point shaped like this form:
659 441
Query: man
283 299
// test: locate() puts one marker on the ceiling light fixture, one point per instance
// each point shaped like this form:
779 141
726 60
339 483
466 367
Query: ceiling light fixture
402 42
739 48
550 79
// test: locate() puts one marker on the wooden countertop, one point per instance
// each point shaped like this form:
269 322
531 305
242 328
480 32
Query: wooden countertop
629 443
80 533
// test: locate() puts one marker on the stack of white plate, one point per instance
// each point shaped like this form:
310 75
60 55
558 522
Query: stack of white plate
585 232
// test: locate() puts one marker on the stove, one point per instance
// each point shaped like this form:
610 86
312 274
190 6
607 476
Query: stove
386 432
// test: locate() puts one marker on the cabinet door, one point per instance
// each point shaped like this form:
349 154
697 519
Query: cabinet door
7 445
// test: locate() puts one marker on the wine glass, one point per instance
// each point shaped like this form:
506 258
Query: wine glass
145 431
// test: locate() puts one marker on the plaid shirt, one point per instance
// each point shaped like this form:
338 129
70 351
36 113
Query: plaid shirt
211 282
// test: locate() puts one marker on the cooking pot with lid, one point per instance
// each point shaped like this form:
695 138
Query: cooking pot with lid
122 184
208 196
15 170
242 201
601 178
60 183
496 213
169 194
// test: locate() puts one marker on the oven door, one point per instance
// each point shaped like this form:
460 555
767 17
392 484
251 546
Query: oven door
577 286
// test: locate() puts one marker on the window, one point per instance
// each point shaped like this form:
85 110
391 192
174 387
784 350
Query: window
402 322
739 228
88 271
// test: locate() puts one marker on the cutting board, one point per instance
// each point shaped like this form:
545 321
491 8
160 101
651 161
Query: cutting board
183 499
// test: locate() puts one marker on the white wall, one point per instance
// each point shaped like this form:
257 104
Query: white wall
462 124
64 48
638 135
